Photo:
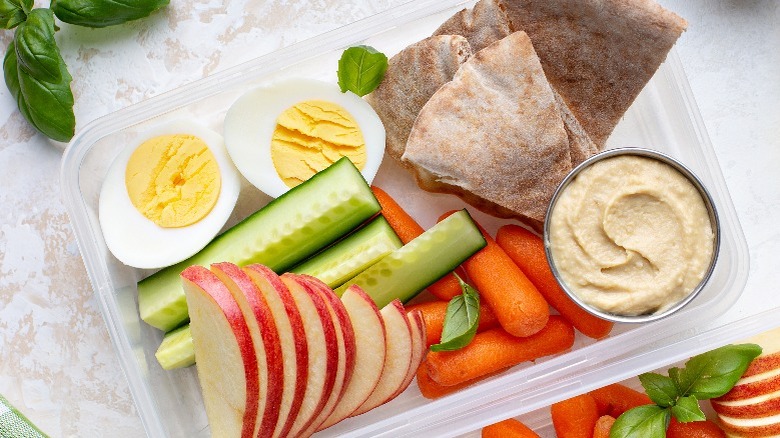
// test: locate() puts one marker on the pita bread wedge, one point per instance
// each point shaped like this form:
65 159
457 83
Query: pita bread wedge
598 54
580 145
413 76
482 25
494 134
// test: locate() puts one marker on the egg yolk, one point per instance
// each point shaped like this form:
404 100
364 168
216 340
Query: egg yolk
310 136
173 180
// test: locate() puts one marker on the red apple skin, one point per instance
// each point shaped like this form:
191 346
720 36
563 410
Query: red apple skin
389 382
756 410
346 342
199 280
272 287
302 293
419 347
753 389
370 342
271 370
771 430
762 364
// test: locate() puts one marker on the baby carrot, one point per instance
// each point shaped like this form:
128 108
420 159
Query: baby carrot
433 315
575 417
603 426
526 249
520 308
694 429
407 229
495 349
432 390
509 428
615 399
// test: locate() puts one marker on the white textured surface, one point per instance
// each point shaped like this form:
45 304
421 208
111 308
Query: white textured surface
58 366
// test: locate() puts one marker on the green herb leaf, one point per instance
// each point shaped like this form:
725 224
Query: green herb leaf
687 409
661 389
649 421
714 373
361 69
460 321
102 13
14 12
48 106
36 50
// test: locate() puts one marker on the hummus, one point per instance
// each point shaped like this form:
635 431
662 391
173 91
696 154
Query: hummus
631 235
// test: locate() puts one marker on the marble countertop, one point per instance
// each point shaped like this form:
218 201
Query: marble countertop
58 366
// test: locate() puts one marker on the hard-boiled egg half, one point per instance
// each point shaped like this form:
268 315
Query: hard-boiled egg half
167 195
280 134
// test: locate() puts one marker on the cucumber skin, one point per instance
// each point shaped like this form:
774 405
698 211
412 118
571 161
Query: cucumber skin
360 250
405 272
161 299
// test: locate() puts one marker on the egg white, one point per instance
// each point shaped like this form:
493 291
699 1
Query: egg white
251 121
137 241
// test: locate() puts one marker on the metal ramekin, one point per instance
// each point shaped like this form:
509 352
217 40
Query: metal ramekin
714 221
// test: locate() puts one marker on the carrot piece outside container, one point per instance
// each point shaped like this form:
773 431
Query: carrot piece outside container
494 350
509 428
575 417
526 249
433 313
616 398
603 426
407 229
520 308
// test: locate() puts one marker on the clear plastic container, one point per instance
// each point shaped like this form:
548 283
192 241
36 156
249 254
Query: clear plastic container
664 117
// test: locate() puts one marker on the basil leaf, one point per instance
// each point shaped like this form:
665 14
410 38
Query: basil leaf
46 106
460 321
687 409
102 13
714 373
36 50
361 69
649 421
661 389
14 12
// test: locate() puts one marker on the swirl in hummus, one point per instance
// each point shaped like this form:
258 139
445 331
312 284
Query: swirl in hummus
631 235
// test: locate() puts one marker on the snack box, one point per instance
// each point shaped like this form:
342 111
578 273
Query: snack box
664 117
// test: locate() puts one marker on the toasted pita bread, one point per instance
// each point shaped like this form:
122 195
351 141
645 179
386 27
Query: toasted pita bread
494 134
580 145
482 25
413 76
598 54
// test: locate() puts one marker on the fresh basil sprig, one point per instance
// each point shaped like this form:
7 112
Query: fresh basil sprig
460 321
705 376
14 12
102 13
361 69
38 78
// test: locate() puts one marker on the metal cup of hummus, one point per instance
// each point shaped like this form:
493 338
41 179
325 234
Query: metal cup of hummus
632 235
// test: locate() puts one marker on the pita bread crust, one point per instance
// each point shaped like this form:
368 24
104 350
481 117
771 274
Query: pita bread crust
494 134
580 145
482 25
598 54
413 76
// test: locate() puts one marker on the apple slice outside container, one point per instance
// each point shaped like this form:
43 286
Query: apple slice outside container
323 351
398 359
227 365
370 350
265 339
345 337
292 341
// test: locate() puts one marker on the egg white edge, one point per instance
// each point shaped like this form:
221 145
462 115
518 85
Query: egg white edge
248 129
158 247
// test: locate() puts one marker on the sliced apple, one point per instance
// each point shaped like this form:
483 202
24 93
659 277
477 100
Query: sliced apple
419 346
345 337
265 339
227 365
398 359
370 345
292 342
323 351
